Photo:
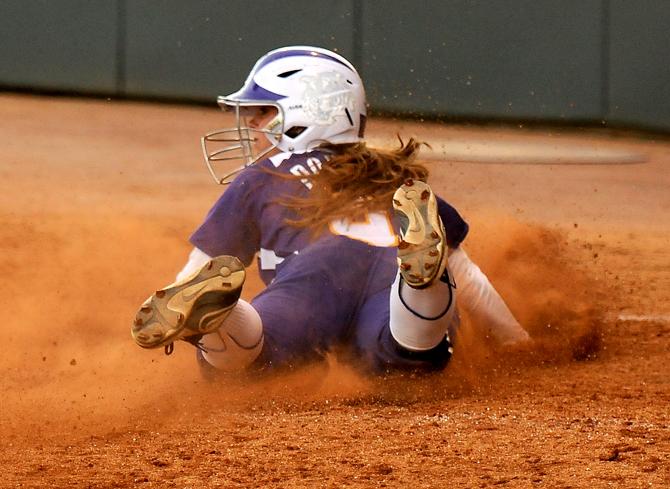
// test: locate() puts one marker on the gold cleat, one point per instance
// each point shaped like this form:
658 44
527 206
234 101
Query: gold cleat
422 250
192 307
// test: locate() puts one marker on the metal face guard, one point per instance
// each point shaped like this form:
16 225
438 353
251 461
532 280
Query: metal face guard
236 144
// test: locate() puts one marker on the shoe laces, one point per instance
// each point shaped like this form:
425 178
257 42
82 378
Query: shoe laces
194 340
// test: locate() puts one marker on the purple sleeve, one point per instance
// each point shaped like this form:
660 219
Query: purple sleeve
232 224
454 225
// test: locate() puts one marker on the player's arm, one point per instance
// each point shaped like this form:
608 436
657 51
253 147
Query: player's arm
477 296
232 226
196 260
475 293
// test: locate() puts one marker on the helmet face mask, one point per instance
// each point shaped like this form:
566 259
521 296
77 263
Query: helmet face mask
319 98
237 144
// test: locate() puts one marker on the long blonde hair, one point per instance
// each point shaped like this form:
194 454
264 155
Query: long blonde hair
355 180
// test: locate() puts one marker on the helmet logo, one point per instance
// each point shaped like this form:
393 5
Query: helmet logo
325 97
272 125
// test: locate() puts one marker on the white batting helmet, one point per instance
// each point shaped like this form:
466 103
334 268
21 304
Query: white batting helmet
319 98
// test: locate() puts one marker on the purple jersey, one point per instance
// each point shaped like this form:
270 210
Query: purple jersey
248 219
321 291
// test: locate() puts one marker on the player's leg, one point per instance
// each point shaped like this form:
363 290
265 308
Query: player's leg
203 308
304 312
378 350
307 309
423 296
301 315
237 343
425 288
297 318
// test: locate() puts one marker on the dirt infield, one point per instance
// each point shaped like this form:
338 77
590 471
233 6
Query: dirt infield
98 200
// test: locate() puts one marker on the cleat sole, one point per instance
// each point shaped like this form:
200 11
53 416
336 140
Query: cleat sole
179 310
422 246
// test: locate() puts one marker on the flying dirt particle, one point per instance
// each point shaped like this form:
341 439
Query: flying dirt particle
610 456
44 359
73 362
383 469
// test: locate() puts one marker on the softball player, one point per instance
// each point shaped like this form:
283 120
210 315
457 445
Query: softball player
356 251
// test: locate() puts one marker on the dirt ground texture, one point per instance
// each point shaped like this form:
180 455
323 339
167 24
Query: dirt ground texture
98 200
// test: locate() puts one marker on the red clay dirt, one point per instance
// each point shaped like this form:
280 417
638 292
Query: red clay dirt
98 201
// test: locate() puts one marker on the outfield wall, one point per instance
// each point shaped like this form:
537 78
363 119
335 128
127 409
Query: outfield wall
578 61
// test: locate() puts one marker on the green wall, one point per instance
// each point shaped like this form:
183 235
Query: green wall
68 45
577 61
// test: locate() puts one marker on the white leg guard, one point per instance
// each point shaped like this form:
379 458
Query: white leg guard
420 318
478 297
237 342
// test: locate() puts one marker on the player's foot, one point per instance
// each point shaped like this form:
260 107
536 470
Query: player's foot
422 248
191 307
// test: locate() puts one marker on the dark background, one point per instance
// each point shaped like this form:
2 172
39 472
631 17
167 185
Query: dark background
593 62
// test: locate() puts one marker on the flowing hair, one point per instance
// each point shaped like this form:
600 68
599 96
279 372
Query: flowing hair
354 180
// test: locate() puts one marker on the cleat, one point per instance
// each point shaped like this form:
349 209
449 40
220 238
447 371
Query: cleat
192 307
422 247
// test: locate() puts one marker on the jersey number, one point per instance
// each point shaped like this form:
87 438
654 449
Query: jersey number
313 167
